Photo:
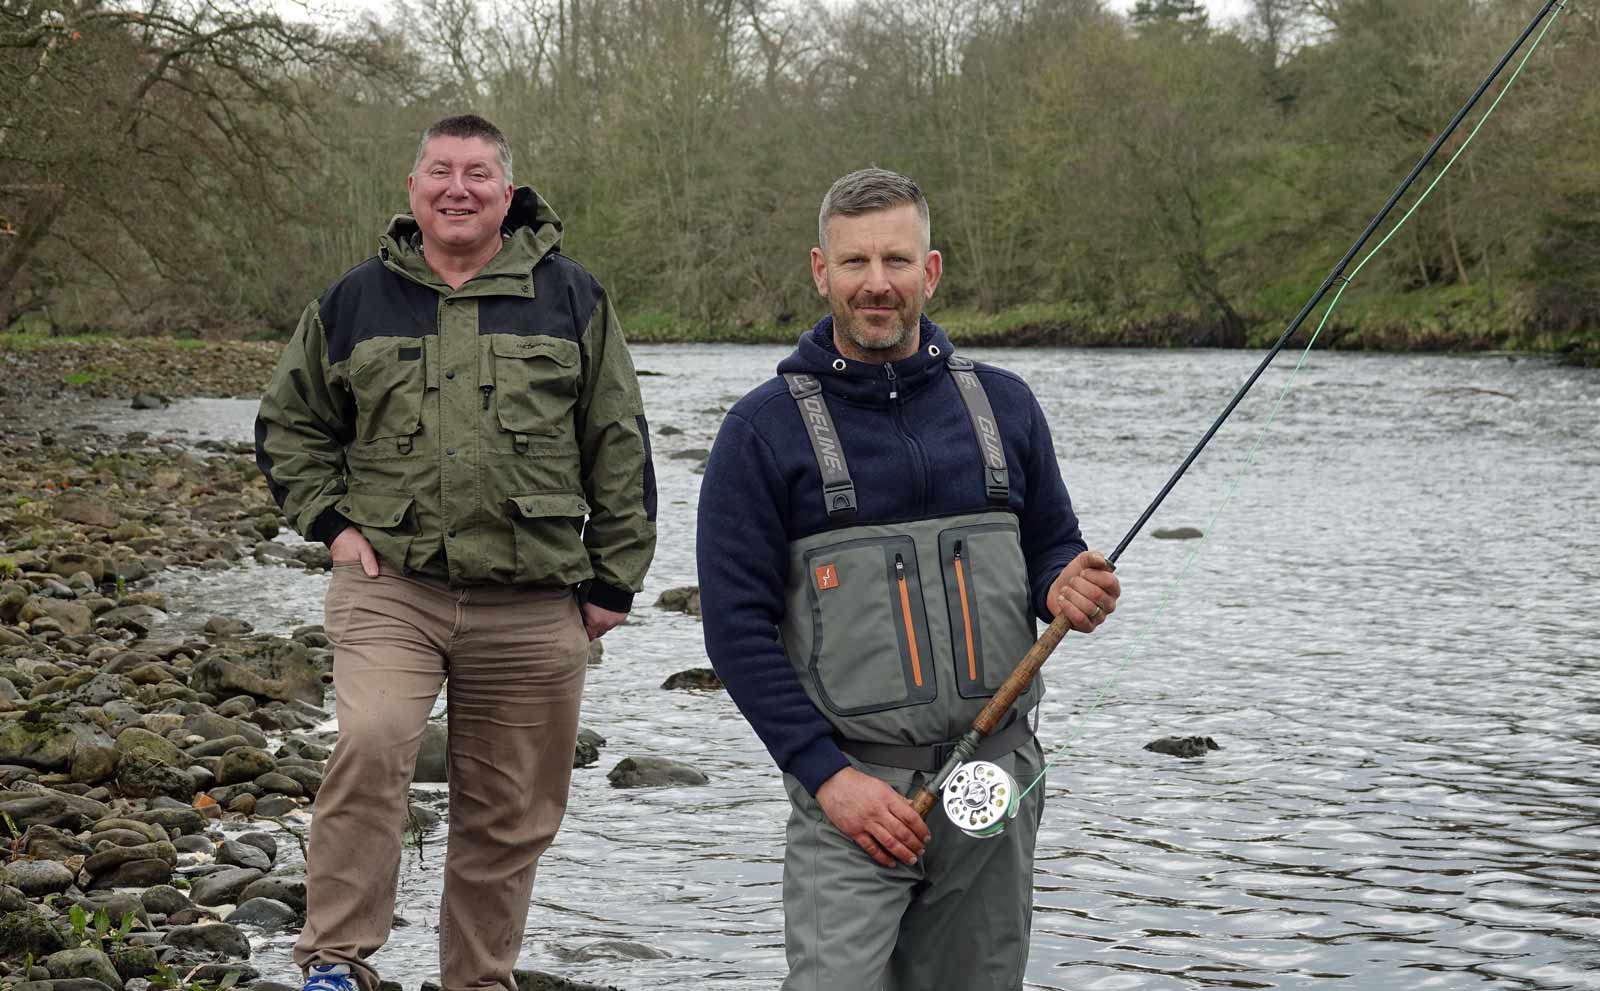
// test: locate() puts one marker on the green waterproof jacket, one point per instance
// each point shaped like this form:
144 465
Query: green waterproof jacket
488 434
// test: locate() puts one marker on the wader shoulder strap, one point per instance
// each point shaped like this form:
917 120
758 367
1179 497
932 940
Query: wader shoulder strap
838 492
996 480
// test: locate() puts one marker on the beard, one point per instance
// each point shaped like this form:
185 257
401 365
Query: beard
869 337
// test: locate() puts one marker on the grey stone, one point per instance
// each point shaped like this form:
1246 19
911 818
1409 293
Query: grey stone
1176 533
264 913
84 962
219 938
135 874
280 784
274 669
227 626
653 772
538 980
78 507
138 740
47 742
115 856
164 899
261 841
1183 746
309 780
273 806
139 620
701 679
236 854
49 843
37 878
685 599
286 890
222 887
244 764
25 933
139 776
182 820
211 726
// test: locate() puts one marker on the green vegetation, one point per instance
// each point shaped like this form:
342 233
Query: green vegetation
82 378
1156 179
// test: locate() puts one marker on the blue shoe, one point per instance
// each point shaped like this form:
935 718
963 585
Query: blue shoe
330 977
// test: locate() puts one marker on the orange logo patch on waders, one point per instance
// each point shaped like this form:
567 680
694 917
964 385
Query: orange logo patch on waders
827 577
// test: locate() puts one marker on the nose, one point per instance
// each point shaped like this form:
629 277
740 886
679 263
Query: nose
456 187
877 277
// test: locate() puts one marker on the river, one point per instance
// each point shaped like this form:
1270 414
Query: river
1393 630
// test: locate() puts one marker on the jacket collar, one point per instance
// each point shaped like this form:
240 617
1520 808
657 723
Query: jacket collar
864 382
531 231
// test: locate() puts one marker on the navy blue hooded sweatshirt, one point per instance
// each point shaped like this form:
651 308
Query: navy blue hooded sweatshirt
912 455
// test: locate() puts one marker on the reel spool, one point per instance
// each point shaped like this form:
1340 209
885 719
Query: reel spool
980 798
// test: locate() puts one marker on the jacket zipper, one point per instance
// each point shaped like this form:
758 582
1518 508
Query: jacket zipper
918 459
905 610
966 617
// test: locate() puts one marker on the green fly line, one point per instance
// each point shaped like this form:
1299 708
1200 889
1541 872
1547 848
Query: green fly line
1344 283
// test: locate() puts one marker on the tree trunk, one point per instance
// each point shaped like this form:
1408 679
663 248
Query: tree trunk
44 205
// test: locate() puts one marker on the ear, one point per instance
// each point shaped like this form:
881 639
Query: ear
932 269
819 271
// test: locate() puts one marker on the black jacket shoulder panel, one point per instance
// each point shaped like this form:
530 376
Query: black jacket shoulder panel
371 301
564 299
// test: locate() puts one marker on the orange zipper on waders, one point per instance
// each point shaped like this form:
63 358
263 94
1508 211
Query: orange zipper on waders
966 616
905 610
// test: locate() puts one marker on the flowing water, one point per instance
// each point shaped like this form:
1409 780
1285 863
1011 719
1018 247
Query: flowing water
1393 630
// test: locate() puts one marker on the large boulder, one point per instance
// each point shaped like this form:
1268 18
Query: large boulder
46 742
275 669
136 740
244 764
223 887
218 938
24 934
26 804
74 618
37 878
140 776
77 507
84 962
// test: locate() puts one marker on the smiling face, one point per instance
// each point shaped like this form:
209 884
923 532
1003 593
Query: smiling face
876 274
459 196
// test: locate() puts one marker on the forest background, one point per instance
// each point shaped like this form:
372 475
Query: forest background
197 168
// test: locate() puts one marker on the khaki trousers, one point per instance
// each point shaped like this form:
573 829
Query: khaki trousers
515 658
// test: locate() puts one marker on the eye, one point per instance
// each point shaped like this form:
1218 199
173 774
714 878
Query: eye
478 175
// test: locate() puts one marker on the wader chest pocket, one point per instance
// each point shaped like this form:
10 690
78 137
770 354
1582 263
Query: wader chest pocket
987 593
388 376
870 648
535 384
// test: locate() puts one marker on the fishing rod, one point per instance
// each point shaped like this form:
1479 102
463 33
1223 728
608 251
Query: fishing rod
979 808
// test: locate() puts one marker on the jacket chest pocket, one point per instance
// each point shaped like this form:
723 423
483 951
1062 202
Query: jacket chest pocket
534 382
388 379
986 591
870 649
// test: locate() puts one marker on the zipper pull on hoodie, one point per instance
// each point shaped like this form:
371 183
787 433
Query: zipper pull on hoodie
894 385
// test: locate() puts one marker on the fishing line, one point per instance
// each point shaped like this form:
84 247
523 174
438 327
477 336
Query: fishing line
1344 283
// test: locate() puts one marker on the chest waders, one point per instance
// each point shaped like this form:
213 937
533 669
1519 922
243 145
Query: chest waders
901 632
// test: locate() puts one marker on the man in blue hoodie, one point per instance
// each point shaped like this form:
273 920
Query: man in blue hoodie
881 527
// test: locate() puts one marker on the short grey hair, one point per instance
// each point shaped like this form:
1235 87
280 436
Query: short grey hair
467 126
865 191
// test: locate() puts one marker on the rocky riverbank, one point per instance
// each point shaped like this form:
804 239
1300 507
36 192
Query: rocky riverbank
154 789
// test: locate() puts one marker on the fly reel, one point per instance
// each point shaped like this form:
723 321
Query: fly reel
980 798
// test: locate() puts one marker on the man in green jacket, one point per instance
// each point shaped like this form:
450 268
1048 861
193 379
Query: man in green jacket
457 418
